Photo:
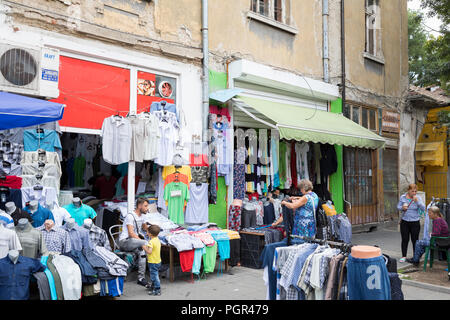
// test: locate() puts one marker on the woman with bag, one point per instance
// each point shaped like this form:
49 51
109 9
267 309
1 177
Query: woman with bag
411 208
305 208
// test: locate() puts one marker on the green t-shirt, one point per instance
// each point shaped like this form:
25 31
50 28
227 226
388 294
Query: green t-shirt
175 193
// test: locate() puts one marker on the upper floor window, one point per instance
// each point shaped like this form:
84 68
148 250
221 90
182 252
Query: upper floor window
366 117
373 34
270 8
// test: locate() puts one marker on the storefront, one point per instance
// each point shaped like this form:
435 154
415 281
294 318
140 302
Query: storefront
301 112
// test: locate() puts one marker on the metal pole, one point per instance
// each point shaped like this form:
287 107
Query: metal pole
205 80
325 13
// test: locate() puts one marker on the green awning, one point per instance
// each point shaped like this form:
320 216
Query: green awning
318 126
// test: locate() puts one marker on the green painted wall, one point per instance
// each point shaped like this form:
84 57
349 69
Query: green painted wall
218 211
217 80
337 178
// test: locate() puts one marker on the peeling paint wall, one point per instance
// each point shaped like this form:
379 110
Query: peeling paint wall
171 28
234 35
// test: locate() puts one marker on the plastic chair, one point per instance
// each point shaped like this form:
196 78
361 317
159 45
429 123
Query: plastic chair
435 247
113 232
126 256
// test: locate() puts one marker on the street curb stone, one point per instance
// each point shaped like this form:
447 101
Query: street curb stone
426 286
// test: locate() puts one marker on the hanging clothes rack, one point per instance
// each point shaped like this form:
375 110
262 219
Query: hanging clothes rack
341 245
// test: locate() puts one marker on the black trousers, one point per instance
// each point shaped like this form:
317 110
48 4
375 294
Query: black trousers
409 229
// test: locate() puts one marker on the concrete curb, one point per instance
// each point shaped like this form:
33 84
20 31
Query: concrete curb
427 286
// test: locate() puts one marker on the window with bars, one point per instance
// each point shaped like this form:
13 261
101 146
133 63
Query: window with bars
364 116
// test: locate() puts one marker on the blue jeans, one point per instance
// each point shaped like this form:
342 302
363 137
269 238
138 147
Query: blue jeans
420 249
368 279
154 274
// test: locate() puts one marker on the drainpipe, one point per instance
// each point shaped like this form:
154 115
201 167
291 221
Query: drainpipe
326 76
343 86
343 51
205 80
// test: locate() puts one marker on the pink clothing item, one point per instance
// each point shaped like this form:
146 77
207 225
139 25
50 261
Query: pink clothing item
220 111
206 238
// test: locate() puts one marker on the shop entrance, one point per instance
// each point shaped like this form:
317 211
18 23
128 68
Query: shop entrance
390 181
360 185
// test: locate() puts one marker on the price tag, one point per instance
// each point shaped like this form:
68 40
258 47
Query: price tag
175 193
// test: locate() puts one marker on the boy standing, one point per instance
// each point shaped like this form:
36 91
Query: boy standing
153 249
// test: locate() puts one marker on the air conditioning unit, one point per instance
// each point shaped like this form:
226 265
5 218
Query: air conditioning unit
31 71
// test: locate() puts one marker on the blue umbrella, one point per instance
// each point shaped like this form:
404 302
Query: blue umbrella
21 111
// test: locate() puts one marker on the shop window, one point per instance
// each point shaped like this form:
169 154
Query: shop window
366 117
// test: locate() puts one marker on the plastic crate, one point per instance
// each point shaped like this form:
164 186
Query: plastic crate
251 248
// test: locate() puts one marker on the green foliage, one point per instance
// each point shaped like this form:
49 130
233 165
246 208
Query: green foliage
429 56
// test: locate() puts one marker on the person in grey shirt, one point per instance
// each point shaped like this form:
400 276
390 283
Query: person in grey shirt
411 207
132 239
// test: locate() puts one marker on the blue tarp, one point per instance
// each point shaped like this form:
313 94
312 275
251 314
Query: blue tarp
224 95
21 111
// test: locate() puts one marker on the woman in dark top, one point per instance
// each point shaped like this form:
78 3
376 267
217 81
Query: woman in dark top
440 229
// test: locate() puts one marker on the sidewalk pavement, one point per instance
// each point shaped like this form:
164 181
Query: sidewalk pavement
248 284
387 237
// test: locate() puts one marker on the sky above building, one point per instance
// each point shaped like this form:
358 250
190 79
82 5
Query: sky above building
431 25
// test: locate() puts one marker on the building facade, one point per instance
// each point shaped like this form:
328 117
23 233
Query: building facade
283 51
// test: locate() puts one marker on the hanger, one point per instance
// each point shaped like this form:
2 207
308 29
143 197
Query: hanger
38 187
6 164
4 188
41 164
39 176
41 152
39 130
2 177
117 115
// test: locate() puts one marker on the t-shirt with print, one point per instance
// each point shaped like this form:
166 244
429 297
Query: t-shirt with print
176 193
155 256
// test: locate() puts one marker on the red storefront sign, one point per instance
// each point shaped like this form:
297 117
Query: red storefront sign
94 91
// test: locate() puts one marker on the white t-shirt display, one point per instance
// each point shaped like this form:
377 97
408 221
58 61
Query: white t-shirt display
8 241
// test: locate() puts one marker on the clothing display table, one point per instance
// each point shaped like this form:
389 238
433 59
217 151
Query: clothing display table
167 249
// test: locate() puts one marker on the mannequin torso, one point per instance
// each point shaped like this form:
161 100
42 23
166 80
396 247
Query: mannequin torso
33 206
10 207
13 256
22 224
70 223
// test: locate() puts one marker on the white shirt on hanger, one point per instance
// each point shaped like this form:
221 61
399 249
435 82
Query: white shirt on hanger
29 169
116 140
46 195
167 143
151 135
46 181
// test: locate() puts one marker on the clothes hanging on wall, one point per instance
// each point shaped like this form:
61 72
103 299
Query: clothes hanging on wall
197 206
